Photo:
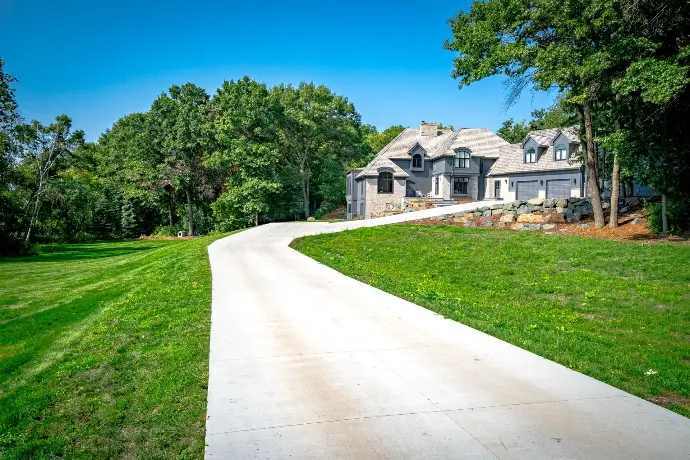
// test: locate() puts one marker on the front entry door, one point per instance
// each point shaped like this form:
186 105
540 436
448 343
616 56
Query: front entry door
497 189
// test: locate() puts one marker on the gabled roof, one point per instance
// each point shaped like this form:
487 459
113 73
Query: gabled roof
511 159
546 137
399 148
479 141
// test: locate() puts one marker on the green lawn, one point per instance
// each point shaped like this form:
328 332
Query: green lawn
612 310
104 350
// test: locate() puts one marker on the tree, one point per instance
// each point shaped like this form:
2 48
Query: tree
42 148
377 141
128 220
513 132
316 124
246 130
178 123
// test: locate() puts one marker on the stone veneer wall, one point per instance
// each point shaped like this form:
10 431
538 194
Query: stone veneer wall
376 203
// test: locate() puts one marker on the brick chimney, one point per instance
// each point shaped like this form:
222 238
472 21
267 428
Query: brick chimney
428 128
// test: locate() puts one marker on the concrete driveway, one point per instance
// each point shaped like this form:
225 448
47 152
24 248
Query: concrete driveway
307 363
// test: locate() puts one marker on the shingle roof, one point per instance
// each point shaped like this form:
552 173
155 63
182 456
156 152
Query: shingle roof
479 141
400 147
511 158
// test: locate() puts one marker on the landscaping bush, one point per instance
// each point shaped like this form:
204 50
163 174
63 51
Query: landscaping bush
678 214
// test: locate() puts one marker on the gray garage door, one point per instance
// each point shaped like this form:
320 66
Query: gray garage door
558 188
527 189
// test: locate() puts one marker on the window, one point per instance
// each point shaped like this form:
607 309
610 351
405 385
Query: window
530 156
416 160
348 186
561 152
349 208
462 159
385 184
460 185
436 186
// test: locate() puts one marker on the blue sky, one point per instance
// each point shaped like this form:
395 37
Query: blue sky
97 61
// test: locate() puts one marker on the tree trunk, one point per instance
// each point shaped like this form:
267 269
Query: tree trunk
615 187
615 183
664 214
256 219
171 207
305 186
594 191
34 215
190 213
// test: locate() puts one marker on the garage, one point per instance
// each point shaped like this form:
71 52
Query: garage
527 189
558 188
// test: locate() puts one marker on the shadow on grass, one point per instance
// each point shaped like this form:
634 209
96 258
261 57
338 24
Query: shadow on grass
97 250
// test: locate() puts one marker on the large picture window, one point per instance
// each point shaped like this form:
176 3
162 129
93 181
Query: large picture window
530 155
561 152
462 159
385 184
460 185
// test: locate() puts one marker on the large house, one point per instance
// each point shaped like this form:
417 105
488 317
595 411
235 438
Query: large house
468 164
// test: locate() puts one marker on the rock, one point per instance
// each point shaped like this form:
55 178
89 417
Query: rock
548 226
522 210
509 206
554 217
573 199
560 209
477 214
632 201
470 223
483 209
583 225
530 227
311 219
549 233
605 205
637 220
487 223
497 212
496 206
508 217
574 217
584 208
549 203
459 220
500 224
562 203
624 209
468 215
487 213
536 201
531 218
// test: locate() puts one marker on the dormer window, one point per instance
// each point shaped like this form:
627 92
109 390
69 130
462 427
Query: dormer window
462 159
561 152
530 155
417 161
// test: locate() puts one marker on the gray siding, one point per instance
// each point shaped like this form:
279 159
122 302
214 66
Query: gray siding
421 179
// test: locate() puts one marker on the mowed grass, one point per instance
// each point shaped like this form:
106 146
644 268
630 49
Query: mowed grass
104 350
617 311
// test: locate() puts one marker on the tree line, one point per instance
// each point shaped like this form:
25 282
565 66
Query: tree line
621 67
193 162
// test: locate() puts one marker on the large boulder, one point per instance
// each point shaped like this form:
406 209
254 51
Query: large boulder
549 203
530 227
562 203
555 217
536 201
531 218
508 217
497 212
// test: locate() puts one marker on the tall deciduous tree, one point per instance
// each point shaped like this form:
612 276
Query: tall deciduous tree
246 128
178 122
316 124
42 148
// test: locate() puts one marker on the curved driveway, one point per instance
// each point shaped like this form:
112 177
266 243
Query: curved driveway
307 363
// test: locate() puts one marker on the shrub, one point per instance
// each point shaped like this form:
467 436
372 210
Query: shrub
678 214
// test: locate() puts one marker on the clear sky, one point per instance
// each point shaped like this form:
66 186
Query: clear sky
99 60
